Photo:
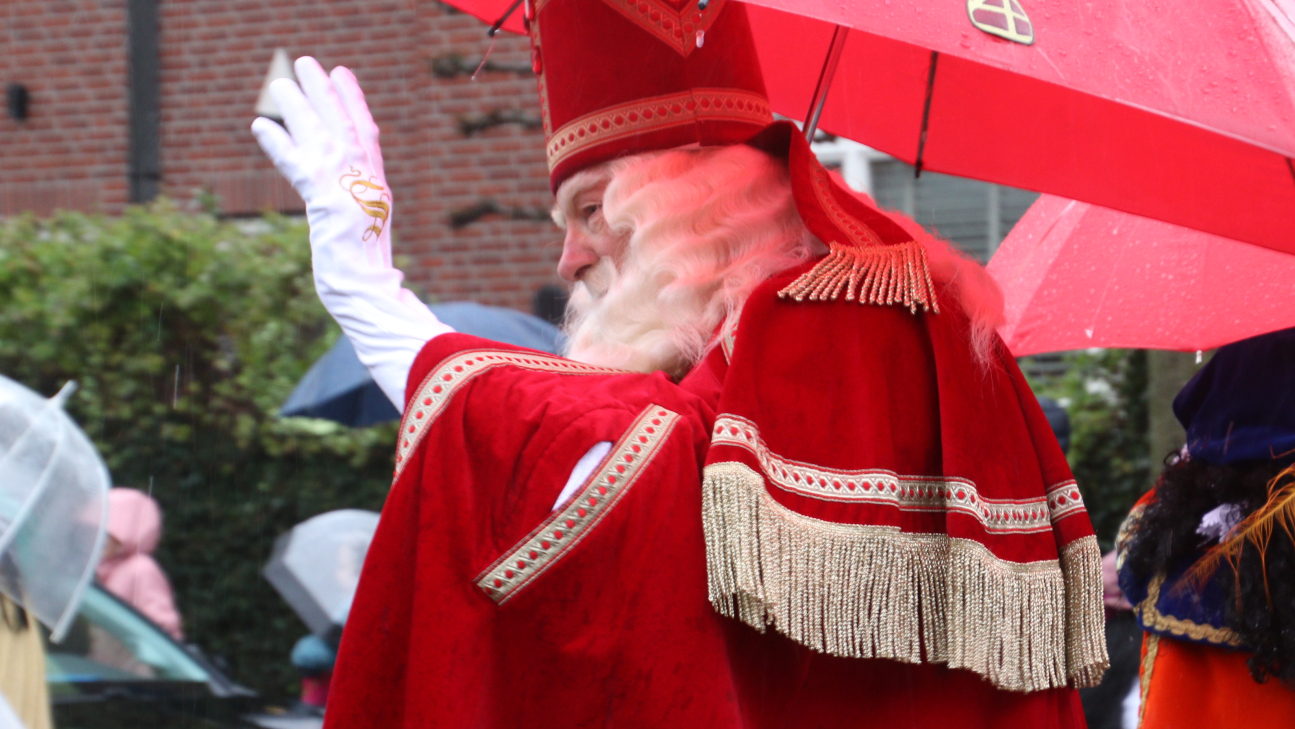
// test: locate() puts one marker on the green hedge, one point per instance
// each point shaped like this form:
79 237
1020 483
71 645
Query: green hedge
186 333
1105 392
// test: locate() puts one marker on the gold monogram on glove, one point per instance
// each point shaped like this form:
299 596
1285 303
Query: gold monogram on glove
378 208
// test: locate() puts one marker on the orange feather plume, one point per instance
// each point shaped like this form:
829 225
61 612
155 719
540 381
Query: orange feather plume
1256 529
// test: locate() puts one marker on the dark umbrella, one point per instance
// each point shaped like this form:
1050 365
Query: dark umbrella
338 387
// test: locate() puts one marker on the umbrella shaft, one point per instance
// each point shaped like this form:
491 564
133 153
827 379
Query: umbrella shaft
825 80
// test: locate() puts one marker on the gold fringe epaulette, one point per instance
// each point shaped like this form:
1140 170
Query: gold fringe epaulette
876 592
878 274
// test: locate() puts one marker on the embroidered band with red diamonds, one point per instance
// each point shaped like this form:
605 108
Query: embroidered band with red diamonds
455 372
564 529
906 493
646 115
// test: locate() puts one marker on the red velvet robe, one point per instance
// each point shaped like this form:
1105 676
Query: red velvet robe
480 608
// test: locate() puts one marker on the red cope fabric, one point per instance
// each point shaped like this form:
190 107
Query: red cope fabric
618 631
910 402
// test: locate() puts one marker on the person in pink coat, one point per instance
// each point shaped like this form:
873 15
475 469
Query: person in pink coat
127 570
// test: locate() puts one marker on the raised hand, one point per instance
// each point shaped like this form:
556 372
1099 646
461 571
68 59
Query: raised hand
330 154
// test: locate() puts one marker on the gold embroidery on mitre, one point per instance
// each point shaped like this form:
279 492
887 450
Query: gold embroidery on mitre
660 112
864 591
378 208
867 270
1003 18
564 529
676 27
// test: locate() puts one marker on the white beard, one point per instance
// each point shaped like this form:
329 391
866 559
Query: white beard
624 319
701 230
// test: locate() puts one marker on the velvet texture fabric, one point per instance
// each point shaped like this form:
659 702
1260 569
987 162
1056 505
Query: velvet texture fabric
1241 405
1173 604
478 607
619 77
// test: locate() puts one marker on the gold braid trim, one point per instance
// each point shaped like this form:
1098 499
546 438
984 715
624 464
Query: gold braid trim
880 274
876 592
1157 621
1144 676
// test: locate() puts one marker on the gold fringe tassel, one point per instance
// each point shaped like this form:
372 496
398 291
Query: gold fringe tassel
1086 658
880 274
875 592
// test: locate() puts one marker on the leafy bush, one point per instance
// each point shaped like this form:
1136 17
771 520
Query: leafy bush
1105 392
185 334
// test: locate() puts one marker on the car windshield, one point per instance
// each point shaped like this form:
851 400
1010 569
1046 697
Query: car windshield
110 642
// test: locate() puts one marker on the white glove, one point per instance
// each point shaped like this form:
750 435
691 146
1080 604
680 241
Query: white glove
330 154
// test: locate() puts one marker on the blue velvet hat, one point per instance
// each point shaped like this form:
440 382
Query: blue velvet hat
1241 405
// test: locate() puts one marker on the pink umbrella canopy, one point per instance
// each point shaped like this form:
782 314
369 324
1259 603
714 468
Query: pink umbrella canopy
1182 112
1076 275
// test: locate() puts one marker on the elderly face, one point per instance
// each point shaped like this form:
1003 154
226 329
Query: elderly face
588 239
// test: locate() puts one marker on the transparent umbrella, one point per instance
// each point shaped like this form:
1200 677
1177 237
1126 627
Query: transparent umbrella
316 566
53 505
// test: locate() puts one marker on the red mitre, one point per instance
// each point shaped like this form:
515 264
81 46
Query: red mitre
621 77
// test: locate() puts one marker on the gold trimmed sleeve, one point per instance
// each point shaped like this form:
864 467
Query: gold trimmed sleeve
454 373
564 529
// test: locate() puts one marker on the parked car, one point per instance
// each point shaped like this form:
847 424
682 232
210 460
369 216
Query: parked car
116 669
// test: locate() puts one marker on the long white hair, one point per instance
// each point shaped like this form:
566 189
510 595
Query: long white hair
700 229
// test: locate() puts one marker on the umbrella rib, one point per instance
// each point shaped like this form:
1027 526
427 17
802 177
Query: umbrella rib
926 113
834 49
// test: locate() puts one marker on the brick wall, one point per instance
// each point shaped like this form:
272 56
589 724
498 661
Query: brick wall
71 152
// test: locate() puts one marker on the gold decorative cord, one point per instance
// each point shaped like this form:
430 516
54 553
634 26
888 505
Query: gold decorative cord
1148 666
1158 621
379 209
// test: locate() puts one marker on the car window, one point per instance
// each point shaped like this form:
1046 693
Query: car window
110 642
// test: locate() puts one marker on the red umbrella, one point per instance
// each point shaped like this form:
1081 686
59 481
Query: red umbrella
1076 275
1183 112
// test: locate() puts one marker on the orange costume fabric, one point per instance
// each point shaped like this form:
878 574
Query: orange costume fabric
480 608
1194 686
1201 680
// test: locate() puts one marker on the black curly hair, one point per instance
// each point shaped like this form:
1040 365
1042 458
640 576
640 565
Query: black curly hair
1263 616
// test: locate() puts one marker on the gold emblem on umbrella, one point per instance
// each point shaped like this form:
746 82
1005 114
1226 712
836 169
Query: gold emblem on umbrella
1003 18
